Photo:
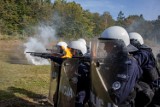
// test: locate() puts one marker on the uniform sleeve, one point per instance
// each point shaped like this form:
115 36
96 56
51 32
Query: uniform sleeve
83 76
57 60
124 82
141 57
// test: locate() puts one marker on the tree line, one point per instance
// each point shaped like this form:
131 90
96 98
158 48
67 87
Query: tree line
17 17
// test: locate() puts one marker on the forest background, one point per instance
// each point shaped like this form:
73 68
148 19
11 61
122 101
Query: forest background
69 19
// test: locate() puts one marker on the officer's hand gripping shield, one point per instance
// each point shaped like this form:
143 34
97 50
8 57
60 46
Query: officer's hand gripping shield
105 64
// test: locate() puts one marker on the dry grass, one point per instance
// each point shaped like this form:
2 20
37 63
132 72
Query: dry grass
21 84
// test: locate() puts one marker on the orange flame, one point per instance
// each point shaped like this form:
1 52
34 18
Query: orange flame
68 53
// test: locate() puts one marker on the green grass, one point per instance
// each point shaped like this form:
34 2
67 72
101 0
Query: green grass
22 85
23 81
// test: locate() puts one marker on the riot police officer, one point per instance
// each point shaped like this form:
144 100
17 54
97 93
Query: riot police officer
121 71
82 75
78 49
61 46
149 81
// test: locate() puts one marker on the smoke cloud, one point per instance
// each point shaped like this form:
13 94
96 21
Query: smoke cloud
148 31
44 36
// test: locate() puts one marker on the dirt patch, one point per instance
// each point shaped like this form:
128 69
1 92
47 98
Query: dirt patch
9 45
12 51
12 60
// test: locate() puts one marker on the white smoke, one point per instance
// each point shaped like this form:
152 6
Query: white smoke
44 36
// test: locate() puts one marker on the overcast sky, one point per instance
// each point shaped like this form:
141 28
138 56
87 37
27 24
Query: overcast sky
149 8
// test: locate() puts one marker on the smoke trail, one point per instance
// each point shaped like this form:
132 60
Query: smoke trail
44 35
148 31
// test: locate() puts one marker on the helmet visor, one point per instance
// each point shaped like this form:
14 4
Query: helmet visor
108 59
103 48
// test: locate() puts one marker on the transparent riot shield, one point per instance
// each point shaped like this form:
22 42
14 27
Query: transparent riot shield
106 62
54 78
55 70
68 83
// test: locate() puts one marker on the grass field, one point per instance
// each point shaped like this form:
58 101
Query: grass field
21 84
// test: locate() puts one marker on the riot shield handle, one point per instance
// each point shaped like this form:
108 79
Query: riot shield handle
98 63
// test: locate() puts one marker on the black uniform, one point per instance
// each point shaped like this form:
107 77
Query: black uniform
146 86
83 84
123 74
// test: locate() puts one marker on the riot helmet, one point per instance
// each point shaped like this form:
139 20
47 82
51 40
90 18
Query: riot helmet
110 56
78 46
134 36
83 41
63 44
116 39
116 33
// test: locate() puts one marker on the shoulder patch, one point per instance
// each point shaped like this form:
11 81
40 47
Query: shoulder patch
116 85
128 62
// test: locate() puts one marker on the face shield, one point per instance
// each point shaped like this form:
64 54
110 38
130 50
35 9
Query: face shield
104 48
75 52
111 58
59 49
108 59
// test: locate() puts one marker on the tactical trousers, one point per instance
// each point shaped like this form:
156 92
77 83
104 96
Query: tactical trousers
80 99
130 102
